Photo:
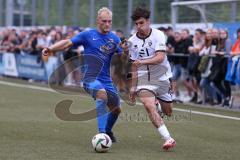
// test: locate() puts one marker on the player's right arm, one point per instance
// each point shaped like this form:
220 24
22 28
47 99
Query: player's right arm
59 46
65 44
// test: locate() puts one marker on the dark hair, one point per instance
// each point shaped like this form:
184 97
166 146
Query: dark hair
199 30
119 30
208 42
140 13
169 28
222 42
186 30
162 29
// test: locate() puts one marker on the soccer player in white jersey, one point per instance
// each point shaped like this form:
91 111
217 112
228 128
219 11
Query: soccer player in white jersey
150 81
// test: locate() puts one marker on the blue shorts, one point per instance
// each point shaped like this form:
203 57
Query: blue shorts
94 86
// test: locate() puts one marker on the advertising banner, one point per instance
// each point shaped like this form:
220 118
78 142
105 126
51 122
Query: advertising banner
1 64
9 63
31 67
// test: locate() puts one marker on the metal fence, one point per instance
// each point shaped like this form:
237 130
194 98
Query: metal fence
83 12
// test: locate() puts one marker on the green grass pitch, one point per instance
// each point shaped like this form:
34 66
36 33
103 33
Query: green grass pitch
30 130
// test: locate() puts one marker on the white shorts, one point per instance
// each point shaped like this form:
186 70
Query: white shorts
161 89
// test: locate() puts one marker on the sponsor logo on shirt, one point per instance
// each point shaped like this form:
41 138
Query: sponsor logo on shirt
109 47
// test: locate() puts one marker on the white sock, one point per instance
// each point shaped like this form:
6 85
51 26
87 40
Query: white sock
164 132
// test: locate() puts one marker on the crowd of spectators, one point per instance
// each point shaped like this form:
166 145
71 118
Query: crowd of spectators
31 41
199 60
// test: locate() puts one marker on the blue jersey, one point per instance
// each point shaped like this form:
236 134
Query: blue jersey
98 51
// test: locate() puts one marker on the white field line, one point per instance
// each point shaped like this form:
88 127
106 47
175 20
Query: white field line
176 109
208 114
26 86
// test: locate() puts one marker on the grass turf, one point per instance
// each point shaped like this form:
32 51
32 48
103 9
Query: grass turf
30 130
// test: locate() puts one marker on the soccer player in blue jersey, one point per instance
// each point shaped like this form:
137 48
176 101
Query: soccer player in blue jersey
99 46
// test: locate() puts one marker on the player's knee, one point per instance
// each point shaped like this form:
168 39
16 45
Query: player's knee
116 110
149 106
168 111
102 94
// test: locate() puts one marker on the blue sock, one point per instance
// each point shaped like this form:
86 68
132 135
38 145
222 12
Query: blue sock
112 118
102 115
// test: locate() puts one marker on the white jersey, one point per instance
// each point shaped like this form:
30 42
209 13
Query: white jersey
147 48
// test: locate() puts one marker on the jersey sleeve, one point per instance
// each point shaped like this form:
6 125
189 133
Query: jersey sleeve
78 39
160 42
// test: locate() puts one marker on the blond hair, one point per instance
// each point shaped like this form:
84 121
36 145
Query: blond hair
104 9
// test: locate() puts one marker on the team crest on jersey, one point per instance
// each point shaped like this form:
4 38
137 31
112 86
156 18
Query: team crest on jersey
150 43
111 40
109 47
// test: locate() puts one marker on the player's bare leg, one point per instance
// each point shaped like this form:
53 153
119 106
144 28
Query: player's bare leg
166 107
148 100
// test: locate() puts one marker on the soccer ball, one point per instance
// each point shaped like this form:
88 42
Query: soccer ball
101 142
